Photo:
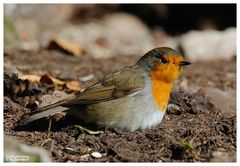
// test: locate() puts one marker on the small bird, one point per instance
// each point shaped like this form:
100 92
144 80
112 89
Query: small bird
135 97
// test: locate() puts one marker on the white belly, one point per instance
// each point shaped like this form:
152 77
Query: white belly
134 112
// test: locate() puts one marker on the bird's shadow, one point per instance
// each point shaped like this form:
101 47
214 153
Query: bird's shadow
56 125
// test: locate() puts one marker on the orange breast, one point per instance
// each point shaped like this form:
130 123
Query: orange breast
161 92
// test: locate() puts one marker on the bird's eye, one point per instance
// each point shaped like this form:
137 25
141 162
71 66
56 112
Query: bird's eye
163 60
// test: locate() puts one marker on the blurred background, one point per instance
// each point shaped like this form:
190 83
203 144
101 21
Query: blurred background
200 31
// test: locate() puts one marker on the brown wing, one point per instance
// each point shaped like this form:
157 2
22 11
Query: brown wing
125 82
119 84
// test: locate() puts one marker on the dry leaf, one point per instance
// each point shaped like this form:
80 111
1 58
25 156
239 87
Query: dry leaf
73 85
67 46
50 80
60 85
32 78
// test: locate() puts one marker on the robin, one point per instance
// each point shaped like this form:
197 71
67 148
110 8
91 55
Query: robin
132 98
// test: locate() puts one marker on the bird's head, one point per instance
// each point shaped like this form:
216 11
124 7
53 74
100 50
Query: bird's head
163 64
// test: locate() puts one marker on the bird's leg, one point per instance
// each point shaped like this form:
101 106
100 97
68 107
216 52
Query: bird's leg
49 126
48 132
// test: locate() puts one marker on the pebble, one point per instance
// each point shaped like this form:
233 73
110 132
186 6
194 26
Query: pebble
87 78
224 100
96 154
84 157
70 150
218 156
173 109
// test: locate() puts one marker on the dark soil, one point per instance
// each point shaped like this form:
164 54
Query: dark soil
192 129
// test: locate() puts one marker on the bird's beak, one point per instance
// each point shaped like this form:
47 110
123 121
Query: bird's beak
183 63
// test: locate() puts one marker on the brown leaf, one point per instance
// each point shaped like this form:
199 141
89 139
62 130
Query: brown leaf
31 77
66 46
60 85
73 85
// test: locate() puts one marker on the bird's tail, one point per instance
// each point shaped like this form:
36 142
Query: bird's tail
43 112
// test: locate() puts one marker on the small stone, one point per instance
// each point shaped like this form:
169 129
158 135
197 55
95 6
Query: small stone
71 151
84 157
221 99
184 85
87 78
173 106
37 102
96 154
173 109
218 156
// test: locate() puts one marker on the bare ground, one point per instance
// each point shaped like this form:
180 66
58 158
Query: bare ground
192 130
